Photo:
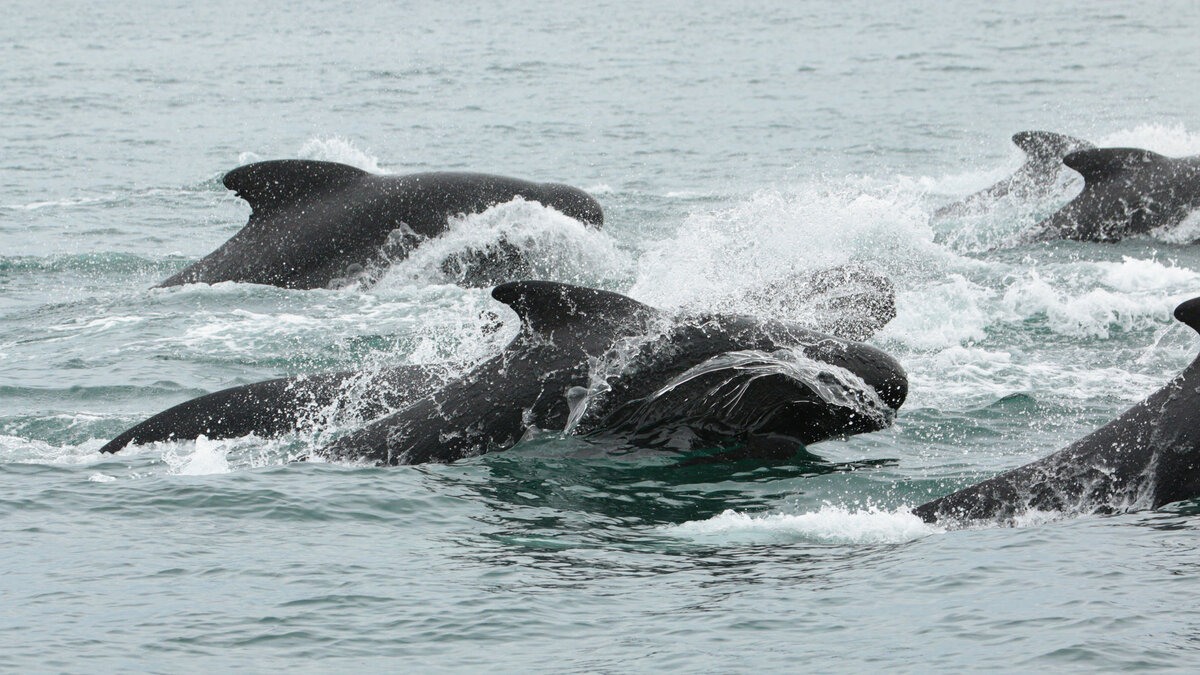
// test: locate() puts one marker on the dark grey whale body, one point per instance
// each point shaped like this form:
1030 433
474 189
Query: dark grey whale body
854 302
1146 458
729 380
1126 191
277 406
314 223
1044 152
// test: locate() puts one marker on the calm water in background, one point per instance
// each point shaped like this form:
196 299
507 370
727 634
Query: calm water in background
728 144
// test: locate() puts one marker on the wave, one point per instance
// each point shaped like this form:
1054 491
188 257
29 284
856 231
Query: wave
828 525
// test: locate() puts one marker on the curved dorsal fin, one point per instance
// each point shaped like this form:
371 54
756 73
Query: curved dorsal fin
267 185
1100 163
1047 144
1189 313
546 305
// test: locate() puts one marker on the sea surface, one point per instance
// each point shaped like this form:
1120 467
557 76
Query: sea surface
729 143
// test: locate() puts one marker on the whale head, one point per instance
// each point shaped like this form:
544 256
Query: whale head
573 202
734 379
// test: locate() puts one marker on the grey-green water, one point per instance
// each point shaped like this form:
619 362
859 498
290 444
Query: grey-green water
728 143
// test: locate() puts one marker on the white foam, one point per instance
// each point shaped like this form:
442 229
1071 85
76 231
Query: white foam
818 224
32 451
831 524
1168 139
1134 275
1186 232
556 246
941 314
207 457
1094 313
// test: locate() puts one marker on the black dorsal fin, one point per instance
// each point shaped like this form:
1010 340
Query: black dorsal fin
546 305
267 185
1047 144
1189 313
1100 163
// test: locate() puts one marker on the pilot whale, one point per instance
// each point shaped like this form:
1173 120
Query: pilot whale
284 404
849 301
1044 152
756 388
314 224
1126 191
1146 458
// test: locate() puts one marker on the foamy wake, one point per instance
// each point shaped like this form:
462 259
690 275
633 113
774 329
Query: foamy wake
14 449
831 524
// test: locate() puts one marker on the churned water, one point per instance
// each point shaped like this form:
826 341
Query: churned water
728 143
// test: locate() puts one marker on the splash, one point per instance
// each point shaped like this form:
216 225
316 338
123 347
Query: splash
207 457
1167 139
830 525
832 384
16 449
516 239
1096 312
342 150
817 225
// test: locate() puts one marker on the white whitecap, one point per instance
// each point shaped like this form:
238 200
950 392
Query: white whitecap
830 524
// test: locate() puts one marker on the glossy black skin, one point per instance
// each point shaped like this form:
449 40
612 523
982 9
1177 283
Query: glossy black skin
1126 191
732 404
1044 152
1146 458
527 385
277 406
314 224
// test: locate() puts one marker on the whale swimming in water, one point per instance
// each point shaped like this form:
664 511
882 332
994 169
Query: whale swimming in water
1146 458
1126 191
315 224
848 301
284 404
757 388
1044 152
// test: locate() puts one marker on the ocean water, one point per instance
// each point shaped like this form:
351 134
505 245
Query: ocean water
728 144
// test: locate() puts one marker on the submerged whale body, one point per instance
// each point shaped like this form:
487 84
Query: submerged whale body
314 224
1044 152
1146 458
1126 191
759 388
